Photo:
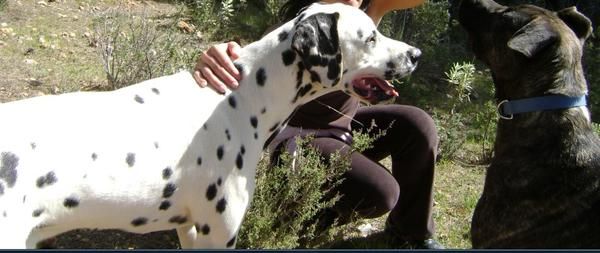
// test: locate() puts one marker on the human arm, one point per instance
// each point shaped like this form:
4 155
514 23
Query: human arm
378 8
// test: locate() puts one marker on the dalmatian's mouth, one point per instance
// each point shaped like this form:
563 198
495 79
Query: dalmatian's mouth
373 89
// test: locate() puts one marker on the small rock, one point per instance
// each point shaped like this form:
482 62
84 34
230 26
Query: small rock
2 43
4 24
29 51
30 62
365 229
42 3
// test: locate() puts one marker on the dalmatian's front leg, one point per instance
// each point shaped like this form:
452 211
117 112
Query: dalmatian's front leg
187 235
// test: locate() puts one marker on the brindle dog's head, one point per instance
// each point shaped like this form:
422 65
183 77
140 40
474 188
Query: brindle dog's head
531 51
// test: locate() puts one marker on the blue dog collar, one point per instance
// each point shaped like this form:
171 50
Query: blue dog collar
507 109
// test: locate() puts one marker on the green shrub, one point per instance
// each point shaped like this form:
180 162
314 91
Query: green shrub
290 197
284 212
136 48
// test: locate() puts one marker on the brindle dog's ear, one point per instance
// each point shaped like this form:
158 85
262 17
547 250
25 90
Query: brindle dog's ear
316 41
533 38
580 24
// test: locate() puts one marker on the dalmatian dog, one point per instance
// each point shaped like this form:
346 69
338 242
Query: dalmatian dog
165 154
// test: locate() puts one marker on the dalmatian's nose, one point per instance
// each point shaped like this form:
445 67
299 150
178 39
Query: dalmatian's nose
414 54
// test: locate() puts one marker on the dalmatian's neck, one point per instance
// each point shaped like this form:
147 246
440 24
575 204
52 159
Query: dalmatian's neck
271 89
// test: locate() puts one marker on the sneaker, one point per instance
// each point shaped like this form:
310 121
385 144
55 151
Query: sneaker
397 240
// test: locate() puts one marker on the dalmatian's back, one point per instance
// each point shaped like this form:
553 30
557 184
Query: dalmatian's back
116 144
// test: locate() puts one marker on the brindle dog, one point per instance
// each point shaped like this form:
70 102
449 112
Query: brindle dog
542 189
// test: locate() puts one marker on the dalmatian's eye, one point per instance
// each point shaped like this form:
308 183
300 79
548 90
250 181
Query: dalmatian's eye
372 39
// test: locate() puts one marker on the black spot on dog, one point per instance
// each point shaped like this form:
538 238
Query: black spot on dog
24 198
139 221
256 136
138 99
313 92
169 190
205 126
130 159
199 161
227 134
333 71
71 202
166 173
263 110
94 156
46 180
205 229
315 77
33 145
211 192
37 212
283 36
305 89
274 127
219 181
156 91
243 150
261 77
288 56
178 219
335 83
232 101
254 121
8 165
239 67
231 242
164 205
221 205
4 214
239 161
390 65
1 189
156 145
220 152
359 33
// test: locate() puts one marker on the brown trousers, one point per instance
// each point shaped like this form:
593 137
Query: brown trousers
370 189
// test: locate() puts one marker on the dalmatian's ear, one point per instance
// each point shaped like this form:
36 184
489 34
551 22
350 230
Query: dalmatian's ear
533 38
580 24
316 41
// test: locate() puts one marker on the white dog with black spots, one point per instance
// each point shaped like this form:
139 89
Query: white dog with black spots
165 154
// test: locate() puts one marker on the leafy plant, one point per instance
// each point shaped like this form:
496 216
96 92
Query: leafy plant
289 198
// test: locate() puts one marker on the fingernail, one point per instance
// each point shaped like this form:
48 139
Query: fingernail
235 84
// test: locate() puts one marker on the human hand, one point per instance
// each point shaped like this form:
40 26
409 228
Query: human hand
215 67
